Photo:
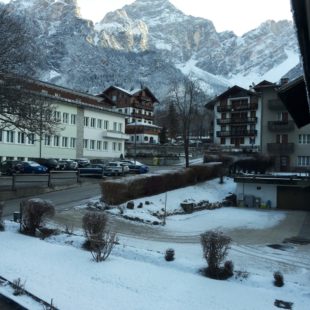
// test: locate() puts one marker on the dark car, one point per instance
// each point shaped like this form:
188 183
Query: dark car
50 163
9 167
32 167
136 166
67 164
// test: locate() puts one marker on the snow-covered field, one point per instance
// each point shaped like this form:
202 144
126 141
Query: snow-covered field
136 275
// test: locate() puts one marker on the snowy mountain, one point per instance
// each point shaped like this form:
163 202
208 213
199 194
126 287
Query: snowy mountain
150 42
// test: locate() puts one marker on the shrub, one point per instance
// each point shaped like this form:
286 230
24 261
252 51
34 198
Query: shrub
215 247
1 214
278 279
34 212
229 268
169 256
18 287
99 240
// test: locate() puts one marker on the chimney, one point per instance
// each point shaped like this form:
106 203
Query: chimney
284 81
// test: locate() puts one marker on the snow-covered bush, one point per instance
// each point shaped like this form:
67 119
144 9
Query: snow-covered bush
278 279
18 287
34 212
169 256
215 246
99 240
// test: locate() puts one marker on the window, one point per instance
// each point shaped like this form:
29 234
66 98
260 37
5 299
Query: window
92 144
99 143
114 98
132 138
303 161
21 137
85 142
93 122
99 123
282 138
64 141
114 146
1 135
73 119
106 125
114 126
65 118
57 116
86 121
47 140
31 138
10 135
304 139
126 111
119 147
72 142
105 145
223 141
56 140
120 127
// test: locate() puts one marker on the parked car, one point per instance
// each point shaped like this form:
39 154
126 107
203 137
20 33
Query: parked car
106 170
9 167
82 162
32 167
136 167
67 164
117 167
50 163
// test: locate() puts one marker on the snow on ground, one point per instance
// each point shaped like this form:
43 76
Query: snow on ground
136 276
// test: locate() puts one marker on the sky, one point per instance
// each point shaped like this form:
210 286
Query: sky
239 16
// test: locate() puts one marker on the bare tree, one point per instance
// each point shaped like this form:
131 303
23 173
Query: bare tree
24 108
186 96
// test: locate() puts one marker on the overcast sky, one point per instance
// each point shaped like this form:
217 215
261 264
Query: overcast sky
239 16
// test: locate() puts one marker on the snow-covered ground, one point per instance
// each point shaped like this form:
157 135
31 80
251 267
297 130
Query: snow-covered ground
136 275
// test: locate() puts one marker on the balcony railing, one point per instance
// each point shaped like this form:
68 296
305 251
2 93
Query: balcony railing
275 104
281 126
247 120
236 133
109 134
242 107
281 148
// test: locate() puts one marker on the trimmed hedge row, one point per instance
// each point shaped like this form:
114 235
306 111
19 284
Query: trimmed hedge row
119 191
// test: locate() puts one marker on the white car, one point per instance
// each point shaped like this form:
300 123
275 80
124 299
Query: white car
118 167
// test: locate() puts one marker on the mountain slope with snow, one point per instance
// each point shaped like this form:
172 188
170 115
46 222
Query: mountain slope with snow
151 43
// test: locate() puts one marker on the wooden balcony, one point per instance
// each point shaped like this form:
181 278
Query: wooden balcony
236 133
281 148
242 107
281 126
248 120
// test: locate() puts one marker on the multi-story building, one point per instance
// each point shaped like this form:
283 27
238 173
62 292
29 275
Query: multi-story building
237 114
88 127
257 119
138 106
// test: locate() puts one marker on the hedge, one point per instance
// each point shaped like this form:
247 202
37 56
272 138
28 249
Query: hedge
121 190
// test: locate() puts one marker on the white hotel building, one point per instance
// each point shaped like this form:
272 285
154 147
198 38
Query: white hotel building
88 127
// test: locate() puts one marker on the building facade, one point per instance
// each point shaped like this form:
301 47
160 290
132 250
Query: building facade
138 106
263 124
237 115
88 127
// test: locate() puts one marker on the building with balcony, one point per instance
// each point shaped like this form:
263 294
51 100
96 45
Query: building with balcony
257 119
138 106
88 126
237 119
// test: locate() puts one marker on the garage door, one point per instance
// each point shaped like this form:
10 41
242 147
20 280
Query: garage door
293 198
